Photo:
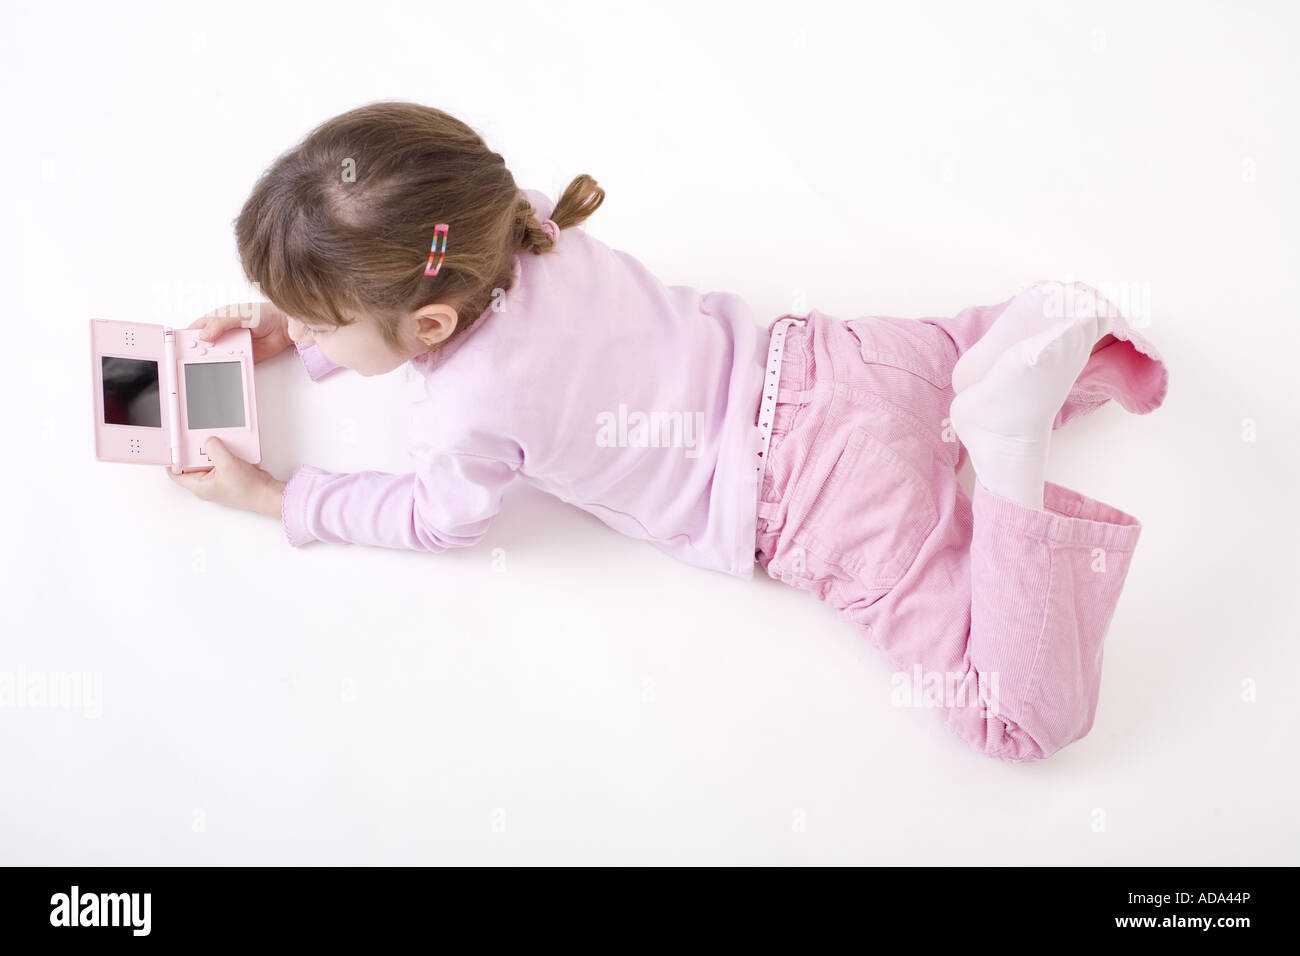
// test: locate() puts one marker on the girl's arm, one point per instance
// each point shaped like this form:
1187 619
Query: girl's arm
318 366
449 503
270 334
268 325
233 481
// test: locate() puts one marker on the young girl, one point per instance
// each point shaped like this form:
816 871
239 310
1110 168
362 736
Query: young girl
826 451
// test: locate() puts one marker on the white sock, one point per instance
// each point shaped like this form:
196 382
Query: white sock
1005 418
1036 309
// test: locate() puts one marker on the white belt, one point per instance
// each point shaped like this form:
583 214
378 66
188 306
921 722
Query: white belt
771 381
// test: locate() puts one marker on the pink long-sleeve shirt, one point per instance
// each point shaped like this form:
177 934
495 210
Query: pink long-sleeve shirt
590 380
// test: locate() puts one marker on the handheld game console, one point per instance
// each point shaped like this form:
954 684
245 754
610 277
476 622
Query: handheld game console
161 392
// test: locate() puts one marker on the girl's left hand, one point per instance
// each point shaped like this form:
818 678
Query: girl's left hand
233 482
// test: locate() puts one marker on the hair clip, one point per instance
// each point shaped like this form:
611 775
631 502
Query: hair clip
431 269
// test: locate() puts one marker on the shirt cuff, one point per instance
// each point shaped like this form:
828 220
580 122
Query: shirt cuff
293 506
315 361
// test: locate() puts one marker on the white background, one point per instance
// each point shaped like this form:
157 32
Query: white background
560 694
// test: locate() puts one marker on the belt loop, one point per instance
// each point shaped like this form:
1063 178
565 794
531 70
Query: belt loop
797 396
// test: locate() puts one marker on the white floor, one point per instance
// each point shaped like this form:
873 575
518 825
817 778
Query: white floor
560 694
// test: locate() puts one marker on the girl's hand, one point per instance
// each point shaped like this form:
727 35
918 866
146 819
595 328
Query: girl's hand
267 323
233 482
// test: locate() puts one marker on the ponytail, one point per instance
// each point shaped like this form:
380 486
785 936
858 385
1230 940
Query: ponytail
580 199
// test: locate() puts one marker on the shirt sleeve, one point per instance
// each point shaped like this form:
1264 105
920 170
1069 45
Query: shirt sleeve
449 503
318 366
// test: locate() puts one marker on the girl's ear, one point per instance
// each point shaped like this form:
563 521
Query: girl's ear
435 323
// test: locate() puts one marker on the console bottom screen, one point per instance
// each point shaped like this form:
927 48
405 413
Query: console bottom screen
214 395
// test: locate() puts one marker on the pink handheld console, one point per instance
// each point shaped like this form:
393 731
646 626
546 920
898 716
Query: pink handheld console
160 392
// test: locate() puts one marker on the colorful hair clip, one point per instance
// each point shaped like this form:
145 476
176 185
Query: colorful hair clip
431 269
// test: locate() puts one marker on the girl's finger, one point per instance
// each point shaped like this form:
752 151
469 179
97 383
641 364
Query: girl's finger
218 324
218 452
195 482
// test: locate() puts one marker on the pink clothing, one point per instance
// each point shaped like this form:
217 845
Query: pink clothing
590 380
995 611
640 404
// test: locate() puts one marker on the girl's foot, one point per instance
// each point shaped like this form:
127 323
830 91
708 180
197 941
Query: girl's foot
1005 417
1040 307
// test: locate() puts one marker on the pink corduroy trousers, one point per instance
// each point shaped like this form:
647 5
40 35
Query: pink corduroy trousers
993 613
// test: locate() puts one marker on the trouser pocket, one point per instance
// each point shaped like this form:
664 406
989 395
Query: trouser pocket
907 344
863 509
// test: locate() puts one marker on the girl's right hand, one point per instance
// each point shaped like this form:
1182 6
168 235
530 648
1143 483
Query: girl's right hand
267 323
